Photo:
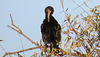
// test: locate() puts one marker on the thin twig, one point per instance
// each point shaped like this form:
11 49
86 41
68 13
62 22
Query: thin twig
13 22
3 48
80 6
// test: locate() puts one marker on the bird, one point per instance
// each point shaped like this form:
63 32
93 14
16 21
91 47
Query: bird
51 29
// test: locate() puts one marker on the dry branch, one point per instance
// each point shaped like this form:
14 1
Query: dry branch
9 53
20 31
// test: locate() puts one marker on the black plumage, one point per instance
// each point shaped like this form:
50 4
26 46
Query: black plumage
50 29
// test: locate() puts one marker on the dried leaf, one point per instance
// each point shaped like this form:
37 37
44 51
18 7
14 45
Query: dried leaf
66 9
78 27
68 39
92 10
65 39
65 32
82 21
89 29
74 45
85 4
41 42
77 52
66 24
75 31
96 8
69 17
65 46
70 29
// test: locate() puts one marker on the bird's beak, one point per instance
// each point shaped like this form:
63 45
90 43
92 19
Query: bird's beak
48 15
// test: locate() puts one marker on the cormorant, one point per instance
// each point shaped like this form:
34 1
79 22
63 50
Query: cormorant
50 29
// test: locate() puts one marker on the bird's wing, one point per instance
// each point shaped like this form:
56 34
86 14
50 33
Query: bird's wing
45 30
57 32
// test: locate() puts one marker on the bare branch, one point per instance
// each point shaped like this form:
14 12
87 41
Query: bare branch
13 28
2 48
20 32
9 53
11 19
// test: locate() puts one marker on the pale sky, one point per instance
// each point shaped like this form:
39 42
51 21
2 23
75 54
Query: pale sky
28 15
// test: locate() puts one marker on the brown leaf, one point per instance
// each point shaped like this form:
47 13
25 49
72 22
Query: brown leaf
75 31
70 29
96 8
78 27
85 4
89 29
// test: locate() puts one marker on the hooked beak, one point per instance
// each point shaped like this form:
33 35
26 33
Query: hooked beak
48 15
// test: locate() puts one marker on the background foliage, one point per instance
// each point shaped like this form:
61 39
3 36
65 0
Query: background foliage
82 34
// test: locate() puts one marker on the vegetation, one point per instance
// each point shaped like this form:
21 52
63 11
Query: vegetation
82 35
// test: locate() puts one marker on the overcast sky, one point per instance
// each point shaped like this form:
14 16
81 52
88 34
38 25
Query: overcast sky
28 16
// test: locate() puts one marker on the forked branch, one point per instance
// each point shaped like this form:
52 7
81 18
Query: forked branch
20 31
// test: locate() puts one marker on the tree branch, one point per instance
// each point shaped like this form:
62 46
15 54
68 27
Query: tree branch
9 53
20 32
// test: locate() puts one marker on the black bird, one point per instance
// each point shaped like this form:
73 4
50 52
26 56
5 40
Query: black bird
50 29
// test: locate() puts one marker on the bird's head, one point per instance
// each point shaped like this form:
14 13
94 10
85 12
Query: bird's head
49 11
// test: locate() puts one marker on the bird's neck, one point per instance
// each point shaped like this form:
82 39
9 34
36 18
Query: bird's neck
48 18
